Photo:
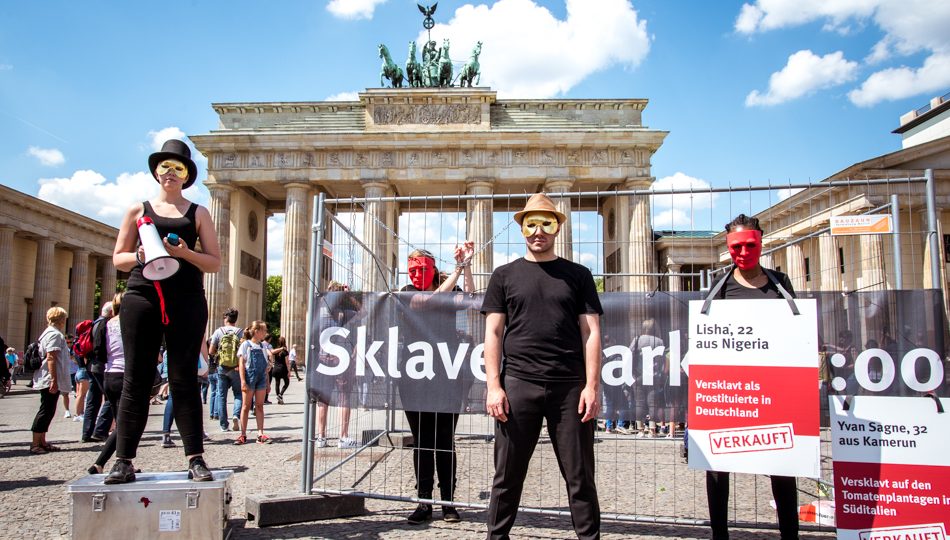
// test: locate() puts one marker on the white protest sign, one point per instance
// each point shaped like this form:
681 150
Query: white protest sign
753 387
891 467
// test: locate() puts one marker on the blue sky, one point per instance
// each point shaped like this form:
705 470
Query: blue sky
756 92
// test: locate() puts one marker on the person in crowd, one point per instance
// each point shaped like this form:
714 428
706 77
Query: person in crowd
269 354
95 366
51 378
343 314
224 347
616 408
82 388
109 347
6 367
280 371
542 313
73 368
293 362
12 360
212 385
434 432
174 309
254 371
647 399
749 280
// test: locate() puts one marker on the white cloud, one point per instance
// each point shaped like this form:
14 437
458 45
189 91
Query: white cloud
353 9
552 55
909 27
672 220
785 193
344 96
898 83
804 73
681 211
500 257
51 157
159 137
275 245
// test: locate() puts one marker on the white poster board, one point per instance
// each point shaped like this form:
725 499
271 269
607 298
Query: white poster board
753 387
891 467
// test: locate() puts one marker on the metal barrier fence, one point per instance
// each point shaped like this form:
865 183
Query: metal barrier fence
356 441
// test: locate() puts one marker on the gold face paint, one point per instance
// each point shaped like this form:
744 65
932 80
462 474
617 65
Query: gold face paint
173 166
535 221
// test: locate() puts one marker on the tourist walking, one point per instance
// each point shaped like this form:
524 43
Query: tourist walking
49 378
543 313
224 348
254 372
281 370
174 309
95 366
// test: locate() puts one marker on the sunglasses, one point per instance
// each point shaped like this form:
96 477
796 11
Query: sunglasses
172 166
533 222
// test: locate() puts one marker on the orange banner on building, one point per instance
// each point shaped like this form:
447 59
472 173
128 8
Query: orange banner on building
849 225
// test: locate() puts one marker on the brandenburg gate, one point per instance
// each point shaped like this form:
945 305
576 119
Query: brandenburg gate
267 158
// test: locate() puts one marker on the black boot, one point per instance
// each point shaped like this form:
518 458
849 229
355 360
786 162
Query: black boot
422 513
198 470
122 473
450 514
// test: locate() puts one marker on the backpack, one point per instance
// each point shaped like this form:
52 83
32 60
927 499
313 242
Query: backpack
82 346
31 356
227 350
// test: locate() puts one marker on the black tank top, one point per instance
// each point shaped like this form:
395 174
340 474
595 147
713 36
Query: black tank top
189 278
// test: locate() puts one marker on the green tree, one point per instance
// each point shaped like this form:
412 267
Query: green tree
599 283
272 304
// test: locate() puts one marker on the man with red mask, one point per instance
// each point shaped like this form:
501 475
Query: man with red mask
542 314
433 432
749 280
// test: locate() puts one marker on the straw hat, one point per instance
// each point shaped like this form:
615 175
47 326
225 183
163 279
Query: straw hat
539 202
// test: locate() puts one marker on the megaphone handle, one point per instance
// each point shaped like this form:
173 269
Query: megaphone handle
161 302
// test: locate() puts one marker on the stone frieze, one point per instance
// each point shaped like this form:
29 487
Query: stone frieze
424 113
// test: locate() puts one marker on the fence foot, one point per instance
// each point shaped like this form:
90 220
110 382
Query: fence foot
282 509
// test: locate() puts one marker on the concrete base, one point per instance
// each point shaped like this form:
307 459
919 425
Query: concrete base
281 509
397 440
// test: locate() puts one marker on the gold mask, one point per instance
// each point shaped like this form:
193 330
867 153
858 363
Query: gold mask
173 166
533 221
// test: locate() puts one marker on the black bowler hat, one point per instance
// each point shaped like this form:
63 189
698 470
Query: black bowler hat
174 149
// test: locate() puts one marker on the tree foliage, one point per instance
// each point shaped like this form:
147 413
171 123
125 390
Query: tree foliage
272 304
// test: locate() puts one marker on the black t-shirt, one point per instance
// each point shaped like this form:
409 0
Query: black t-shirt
542 303
731 289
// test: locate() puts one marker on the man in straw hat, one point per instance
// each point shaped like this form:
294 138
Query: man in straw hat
543 313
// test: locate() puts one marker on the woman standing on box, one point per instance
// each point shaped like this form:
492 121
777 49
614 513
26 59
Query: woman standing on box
749 280
173 309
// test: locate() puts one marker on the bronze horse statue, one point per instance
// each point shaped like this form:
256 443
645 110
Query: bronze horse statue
389 70
445 65
413 68
471 71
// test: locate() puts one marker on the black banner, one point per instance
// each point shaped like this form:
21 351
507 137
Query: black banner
424 351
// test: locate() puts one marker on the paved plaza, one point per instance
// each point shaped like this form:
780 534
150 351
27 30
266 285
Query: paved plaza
641 477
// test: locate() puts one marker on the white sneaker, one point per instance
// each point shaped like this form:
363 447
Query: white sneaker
235 424
78 418
347 442
321 442
67 415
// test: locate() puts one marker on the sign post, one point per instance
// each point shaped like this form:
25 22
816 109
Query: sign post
753 387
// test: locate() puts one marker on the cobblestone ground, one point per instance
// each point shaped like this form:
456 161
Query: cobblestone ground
635 477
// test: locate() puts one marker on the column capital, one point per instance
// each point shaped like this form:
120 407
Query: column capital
639 182
375 188
219 186
81 251
296 184
479 183
7 228
559 184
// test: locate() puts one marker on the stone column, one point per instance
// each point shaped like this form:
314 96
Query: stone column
795 260
6 274
79 289
563 245
641 256
376 272
42 285
478 229
872 263
293 297
217 284
108 280
830 272
675 282
767 261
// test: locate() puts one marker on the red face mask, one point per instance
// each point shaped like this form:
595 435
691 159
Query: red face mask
745 247
421 272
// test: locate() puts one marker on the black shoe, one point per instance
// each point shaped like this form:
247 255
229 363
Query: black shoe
167 441
450 514
198 470
122 473
422 513
94 469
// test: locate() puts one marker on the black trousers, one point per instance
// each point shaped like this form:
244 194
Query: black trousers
573 441
784 490
434 436
44 416
93 404
112 388
280 375
142 334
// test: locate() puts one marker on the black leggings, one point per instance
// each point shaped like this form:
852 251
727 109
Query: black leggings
434 437
142 333
784 490
112 388
47 411
280 375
